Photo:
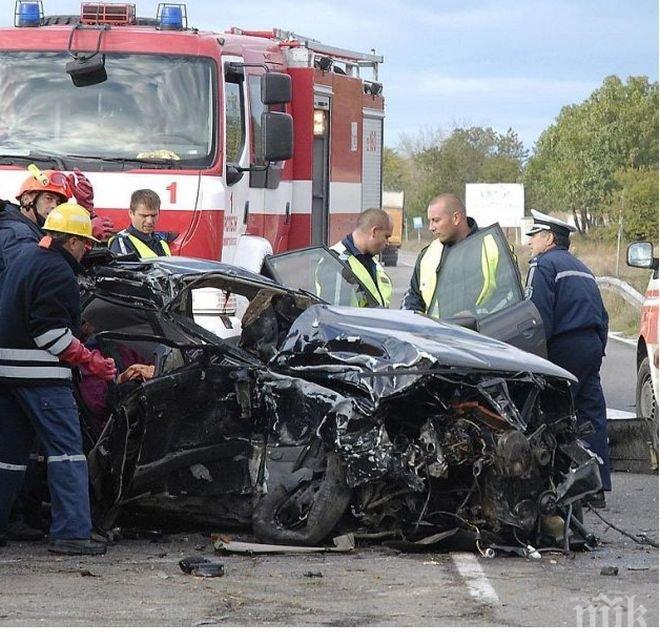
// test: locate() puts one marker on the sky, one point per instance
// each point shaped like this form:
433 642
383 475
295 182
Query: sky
455 63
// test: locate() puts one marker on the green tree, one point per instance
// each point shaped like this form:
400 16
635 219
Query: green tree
575 161
636 198
395 170
439 163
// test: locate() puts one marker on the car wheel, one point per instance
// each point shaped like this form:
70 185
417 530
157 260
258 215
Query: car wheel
647 405
305 515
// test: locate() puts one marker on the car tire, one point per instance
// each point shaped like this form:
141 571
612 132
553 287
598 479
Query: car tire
647 405
331 496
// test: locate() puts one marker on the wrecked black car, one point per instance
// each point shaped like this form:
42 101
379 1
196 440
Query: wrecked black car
271 409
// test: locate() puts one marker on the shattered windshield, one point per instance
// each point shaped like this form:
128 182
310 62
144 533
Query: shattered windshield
158 107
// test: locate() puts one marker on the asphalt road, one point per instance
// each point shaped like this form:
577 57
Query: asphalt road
139 583
619 371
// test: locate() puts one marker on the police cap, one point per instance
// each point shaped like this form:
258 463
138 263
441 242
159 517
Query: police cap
545 222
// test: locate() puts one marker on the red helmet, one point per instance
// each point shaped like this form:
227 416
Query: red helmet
48 181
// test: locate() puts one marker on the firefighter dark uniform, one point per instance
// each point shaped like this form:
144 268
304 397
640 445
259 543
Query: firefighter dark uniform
367 269
40 304
479 277
565 292
131 240
16 231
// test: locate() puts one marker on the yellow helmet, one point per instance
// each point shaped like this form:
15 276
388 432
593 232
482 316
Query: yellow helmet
70 218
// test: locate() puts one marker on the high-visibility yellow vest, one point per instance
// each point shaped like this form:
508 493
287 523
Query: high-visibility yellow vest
143 251
428 272
381 289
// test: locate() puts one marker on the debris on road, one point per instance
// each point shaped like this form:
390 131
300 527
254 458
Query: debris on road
609 571
343 543
201 567
210 569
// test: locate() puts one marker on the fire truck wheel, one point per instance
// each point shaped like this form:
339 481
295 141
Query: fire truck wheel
305 515
647 405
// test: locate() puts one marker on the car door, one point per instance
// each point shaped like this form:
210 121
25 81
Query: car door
497 304
317 270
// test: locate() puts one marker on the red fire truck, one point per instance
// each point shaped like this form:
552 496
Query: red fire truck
254 140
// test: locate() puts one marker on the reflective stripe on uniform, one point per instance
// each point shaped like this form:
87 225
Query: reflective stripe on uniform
37 373
26 364
13 468
27 355
66 457
54 341
50 336
563 274
382 291
428 268
143 251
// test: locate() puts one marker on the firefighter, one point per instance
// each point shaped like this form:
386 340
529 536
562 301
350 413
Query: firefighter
40 304
450 225
360 248
39 193
141 237
576 323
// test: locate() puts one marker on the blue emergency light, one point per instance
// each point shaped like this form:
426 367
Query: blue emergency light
28 14
171 17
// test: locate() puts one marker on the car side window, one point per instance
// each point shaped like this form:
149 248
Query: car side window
478 276
318 271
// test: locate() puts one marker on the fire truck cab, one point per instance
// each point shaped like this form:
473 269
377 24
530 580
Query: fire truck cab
255 141
641 255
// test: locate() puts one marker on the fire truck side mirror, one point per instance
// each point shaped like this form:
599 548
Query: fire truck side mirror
275 88
640 255
277 133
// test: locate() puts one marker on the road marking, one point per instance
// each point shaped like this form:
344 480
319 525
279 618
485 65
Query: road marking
614 414
470 569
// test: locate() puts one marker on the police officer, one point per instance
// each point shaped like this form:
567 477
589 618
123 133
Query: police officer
450 225
566 294
360 248
40 304
141 237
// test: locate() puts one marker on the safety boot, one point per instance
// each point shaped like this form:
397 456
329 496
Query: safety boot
76 547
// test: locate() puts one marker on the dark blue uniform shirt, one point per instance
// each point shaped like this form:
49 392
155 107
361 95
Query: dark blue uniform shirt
16 231
566 294
40 306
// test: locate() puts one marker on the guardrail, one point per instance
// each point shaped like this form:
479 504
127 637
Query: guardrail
627 292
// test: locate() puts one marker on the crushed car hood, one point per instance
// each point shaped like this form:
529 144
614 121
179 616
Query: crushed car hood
379 339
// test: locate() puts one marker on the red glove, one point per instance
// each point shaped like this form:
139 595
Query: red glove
102 228
82 189
77 353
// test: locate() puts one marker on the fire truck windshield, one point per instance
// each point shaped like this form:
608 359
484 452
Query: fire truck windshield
151 107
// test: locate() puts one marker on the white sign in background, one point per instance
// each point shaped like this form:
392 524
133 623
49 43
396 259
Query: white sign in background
490 203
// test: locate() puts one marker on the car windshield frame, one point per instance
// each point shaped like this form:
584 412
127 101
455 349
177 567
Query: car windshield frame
152 108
